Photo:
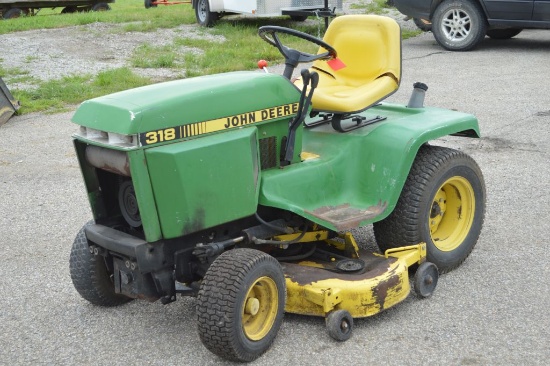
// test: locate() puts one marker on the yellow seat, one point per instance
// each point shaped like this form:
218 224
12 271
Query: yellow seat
370 47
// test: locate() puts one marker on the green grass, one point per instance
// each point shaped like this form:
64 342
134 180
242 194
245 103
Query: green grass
232 45
122 11
57 95
374 7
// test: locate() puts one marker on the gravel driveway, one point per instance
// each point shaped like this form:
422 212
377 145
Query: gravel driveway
491 311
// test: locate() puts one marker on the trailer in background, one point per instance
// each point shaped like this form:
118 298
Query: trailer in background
16 8
209 11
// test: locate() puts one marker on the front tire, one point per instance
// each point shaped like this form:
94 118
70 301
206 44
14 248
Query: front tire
442 204
240 305
204 16
90 275
459 25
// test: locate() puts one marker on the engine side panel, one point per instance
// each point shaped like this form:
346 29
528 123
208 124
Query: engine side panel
205 182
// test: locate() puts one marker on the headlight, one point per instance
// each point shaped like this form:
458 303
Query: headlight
107 138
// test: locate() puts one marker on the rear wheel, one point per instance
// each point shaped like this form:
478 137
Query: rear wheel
503 33
459 25
240 305
90 275
204 16
442 204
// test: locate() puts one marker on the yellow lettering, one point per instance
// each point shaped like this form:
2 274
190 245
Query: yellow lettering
151 137
169 134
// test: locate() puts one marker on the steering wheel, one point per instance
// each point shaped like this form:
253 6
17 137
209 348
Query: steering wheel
293 57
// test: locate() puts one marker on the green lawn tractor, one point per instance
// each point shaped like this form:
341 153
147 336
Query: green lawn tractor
241 189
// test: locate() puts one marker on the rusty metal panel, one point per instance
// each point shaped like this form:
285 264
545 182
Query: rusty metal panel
8 104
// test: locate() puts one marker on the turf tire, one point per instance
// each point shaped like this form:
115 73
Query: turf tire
410 221
90 276
222 298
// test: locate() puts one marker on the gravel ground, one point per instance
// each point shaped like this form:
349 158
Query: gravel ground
493 310
89 49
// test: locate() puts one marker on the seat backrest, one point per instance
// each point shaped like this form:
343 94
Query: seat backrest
369 46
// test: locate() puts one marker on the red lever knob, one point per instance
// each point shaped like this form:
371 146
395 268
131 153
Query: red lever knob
262 64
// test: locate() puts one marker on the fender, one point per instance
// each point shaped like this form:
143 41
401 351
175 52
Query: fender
343 191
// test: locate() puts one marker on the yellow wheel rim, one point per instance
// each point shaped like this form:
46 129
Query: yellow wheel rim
452 213
260 308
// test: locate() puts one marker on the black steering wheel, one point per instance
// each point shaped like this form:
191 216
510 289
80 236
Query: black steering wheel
294 57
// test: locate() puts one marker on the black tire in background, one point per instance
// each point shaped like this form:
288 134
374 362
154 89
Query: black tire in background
204 16
101 7
69 9
149 4
459 25
506 33
13 13
240 304
298 18
442 204
90 276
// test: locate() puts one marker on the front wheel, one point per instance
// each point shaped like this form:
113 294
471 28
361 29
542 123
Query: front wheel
90 275
240 305
204 16
459 25
442 204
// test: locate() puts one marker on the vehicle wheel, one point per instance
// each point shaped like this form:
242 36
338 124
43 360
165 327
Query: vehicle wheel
442 204
204 16
503 33
69 10
340 325
459 25
13 13
101 7
423 25
149 4
240 304
298 18
90 275
425 279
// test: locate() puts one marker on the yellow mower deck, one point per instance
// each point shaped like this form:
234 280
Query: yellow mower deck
319 288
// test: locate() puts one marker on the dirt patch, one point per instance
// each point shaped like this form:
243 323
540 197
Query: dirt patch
53 53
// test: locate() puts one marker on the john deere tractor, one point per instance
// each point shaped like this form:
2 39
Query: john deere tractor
241 189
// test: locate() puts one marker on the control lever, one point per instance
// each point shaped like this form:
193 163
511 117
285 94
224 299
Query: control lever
310 79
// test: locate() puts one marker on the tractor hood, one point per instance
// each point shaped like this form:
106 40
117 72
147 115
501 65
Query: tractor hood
187 101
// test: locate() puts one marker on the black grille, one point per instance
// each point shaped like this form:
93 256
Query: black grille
268 152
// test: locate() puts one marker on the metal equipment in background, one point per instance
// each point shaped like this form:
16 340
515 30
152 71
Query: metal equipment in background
8 104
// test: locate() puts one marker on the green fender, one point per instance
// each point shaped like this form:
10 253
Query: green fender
355 178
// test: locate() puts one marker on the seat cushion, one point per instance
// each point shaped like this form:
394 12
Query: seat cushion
370 47
338 97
